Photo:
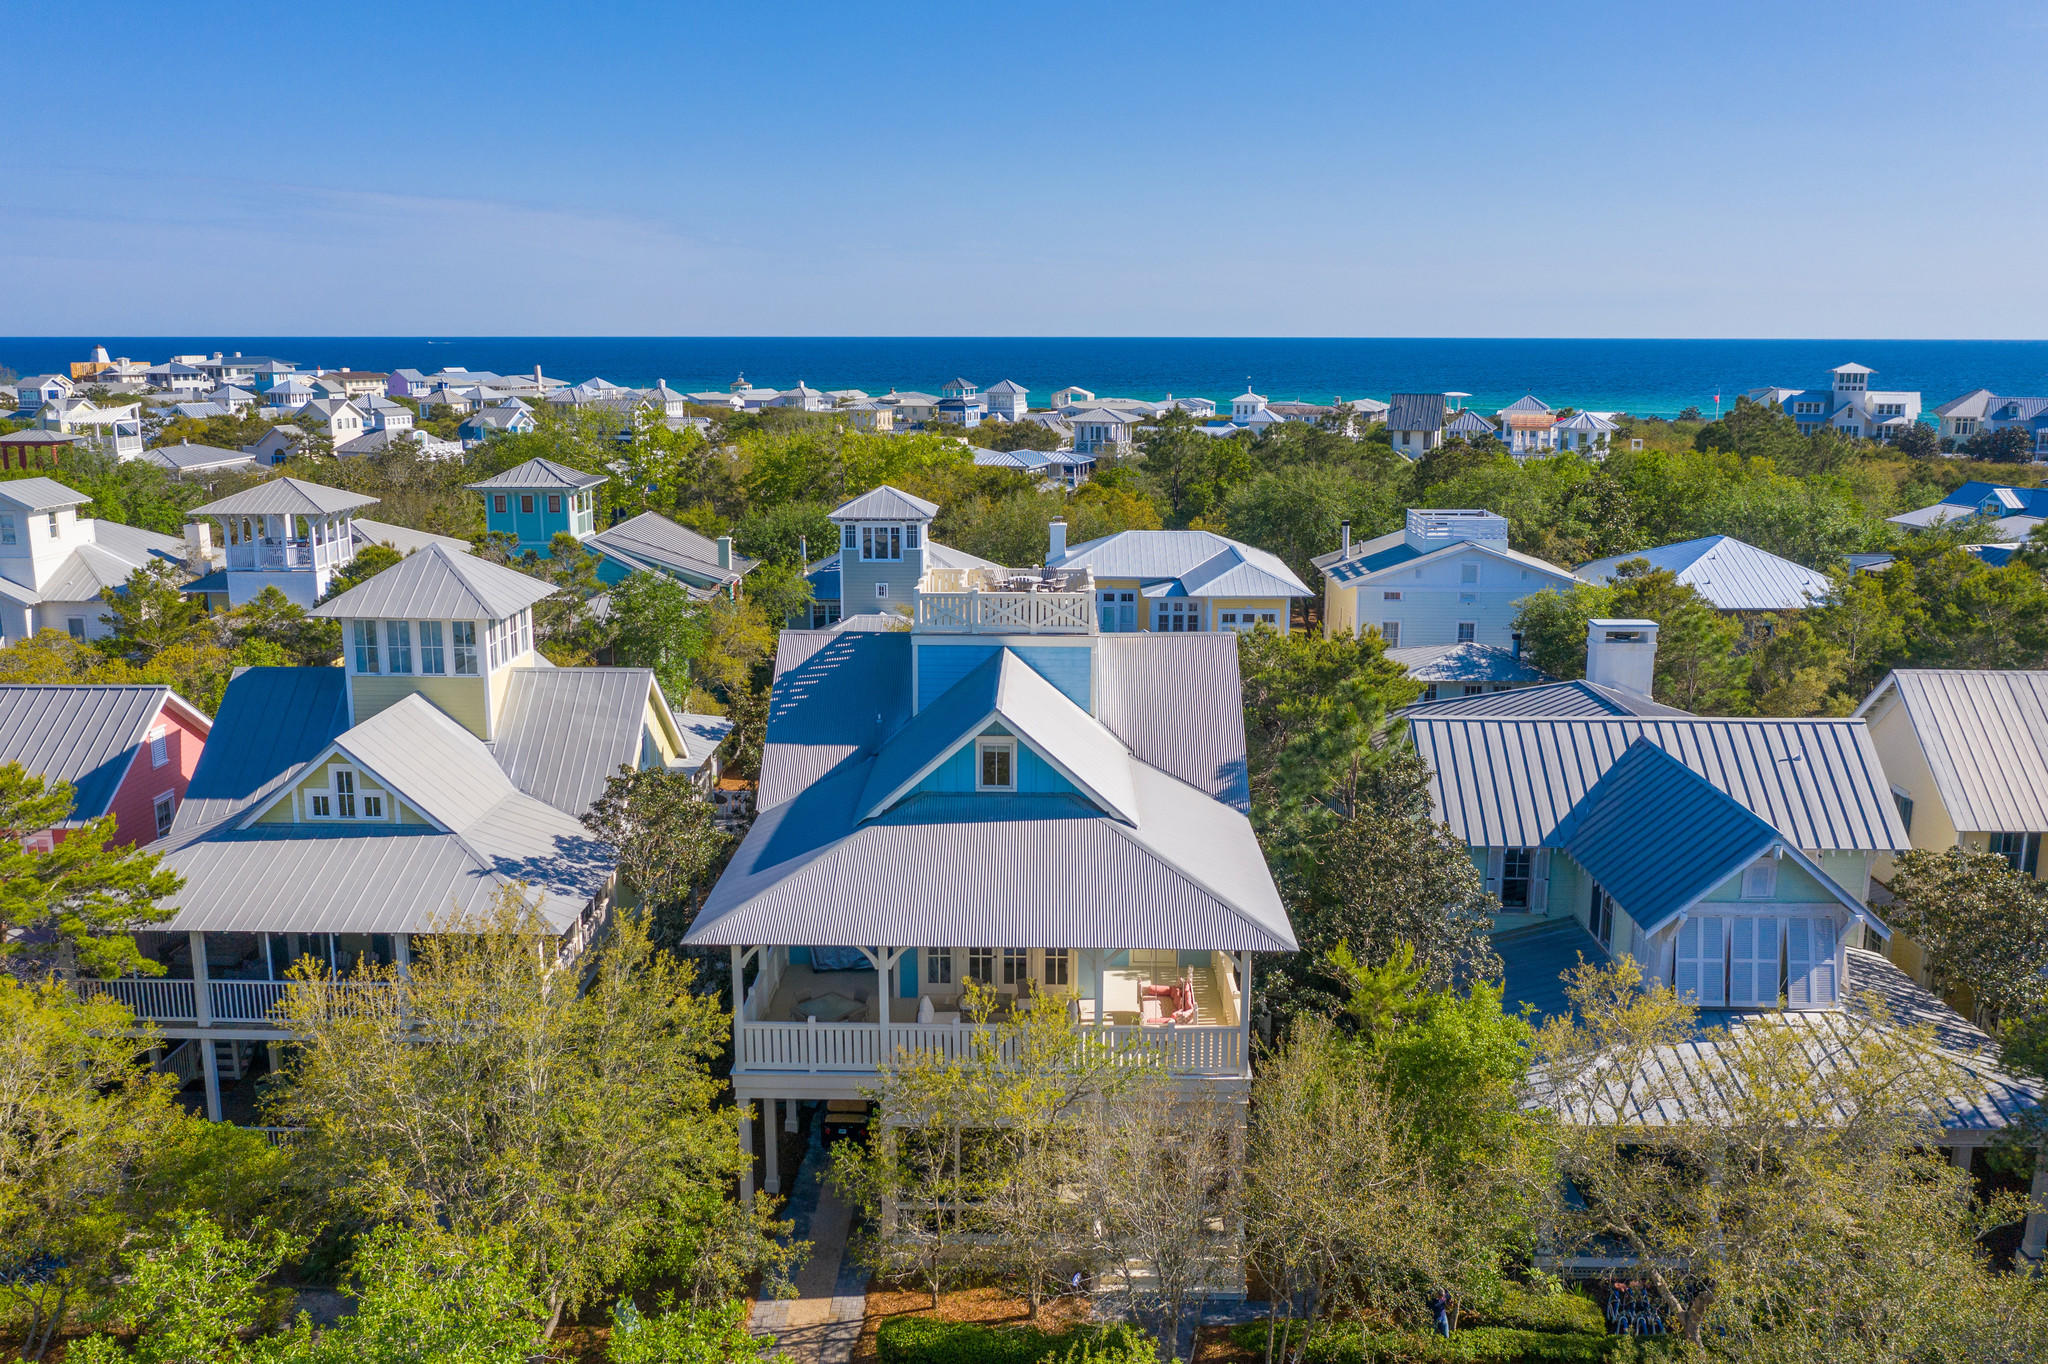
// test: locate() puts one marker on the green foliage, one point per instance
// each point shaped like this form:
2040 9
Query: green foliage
148 613
929 1340
2006 445
81 898
774 533
1009 435
656 625
370 560
666 839
189 1295
1475 1345
681 1335
1982 923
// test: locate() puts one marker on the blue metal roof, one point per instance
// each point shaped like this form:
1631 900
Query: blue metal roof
271 720
1657 837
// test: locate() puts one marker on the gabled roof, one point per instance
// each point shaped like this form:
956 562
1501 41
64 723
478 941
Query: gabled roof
538 473
1528 404
1416 412
187 456
1206 563
1006 386
434 584
1657 836
652 539
271 721
285 497
1587 421
85 573
1553 700
885 504
404 539
1466 662
1509 782
1971 404
1002 689
1469 423
37 493
1984 732
1730 574
1393 550
84 734
563 731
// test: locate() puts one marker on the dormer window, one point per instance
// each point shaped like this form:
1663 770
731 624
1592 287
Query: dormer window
995 765
1760 879
341 800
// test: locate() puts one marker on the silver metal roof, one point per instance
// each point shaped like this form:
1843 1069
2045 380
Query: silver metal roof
538 473
563 731
886 503
434 584
1985 735
285 497
404 539
86 734
652 538
1552 699
37 493
1470 661
1209 564
1693 1081
414 748
1734 576
1509 782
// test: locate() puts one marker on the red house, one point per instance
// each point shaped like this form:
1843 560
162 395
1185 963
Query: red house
127 750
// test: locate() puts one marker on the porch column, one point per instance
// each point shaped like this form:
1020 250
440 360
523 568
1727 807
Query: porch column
789 1115
746 1121
2034 1233
202 993
1101 989
771 1142
738 1000
885 972
1244 1006
209 1064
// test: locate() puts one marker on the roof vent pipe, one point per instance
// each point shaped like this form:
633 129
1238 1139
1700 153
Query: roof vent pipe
1346 552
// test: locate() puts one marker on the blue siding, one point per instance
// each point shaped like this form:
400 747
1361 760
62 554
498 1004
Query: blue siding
939 666
956 774
536 529
906 971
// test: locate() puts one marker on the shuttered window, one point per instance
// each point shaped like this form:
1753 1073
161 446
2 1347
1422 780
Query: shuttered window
1753 960
1810 974
1701 966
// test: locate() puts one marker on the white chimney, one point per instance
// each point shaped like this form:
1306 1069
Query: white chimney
1622 654
725 551
1057 534
198 543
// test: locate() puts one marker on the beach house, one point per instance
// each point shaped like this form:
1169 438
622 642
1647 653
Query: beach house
127 751
1730 574
999 793
338 812
1179 581
885 550
1848 405
1415 423
54 563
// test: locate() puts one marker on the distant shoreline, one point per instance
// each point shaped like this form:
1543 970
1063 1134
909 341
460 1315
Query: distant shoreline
1645 377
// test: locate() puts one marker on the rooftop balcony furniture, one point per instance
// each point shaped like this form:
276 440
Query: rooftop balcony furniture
1024 601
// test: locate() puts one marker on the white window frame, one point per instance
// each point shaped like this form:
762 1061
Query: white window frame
1760 879
1056 967
888 539
1390 596
998 744
159 747
365 655
1812 978
430 634
1468 632
1700 960
345 789
981 965
7 534
462 643
1390 630
398 647
165 809
938 966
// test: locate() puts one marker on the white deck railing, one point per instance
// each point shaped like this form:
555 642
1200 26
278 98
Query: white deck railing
1007 612
246 1001
164 1001
853 1048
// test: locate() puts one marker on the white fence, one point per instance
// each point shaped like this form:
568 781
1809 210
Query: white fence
168 1001
1007 612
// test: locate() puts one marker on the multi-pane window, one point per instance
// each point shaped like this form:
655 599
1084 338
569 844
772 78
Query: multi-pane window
881 543
981 965
430 648
2022 851
398 634
526 504
1057 965
1390 631
463 633
850 539
344 793
1600 918
1176 617
1517 868
498 502
1016 966
7 528
998 765
365 632
1117 611
938 966
554 503
1390 596
166 809
1468 630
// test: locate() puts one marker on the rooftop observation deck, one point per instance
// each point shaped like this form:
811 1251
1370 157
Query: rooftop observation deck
1028 601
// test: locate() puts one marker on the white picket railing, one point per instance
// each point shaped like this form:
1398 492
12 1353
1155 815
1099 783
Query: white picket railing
852 1048
246 1001
979 612
165 1001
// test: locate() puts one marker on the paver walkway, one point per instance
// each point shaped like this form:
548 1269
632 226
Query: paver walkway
821 1325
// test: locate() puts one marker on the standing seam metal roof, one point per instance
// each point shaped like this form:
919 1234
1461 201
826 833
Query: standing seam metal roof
86 735
434 584
563 731
285 497
1511 782
1985 735
1734 576
538 473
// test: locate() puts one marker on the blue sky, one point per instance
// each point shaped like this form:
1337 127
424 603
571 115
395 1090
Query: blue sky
1348 169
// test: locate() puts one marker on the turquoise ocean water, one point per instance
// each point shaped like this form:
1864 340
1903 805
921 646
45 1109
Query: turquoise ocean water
1645 377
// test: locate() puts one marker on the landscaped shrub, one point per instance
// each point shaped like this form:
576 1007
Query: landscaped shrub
924 1340
1524 1309
1478 1345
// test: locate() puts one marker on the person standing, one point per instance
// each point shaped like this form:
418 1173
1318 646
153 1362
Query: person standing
1440 1308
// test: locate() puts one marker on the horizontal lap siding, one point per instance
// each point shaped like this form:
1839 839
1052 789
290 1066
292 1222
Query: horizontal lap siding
134 803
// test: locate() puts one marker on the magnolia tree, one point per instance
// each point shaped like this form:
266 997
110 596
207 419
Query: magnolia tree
1982 923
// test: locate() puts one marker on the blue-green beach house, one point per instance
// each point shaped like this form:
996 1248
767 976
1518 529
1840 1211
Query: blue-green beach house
540 499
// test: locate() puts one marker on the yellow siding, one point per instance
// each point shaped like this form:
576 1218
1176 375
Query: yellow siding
1340 609
657 728
287 811
500 682
462 699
